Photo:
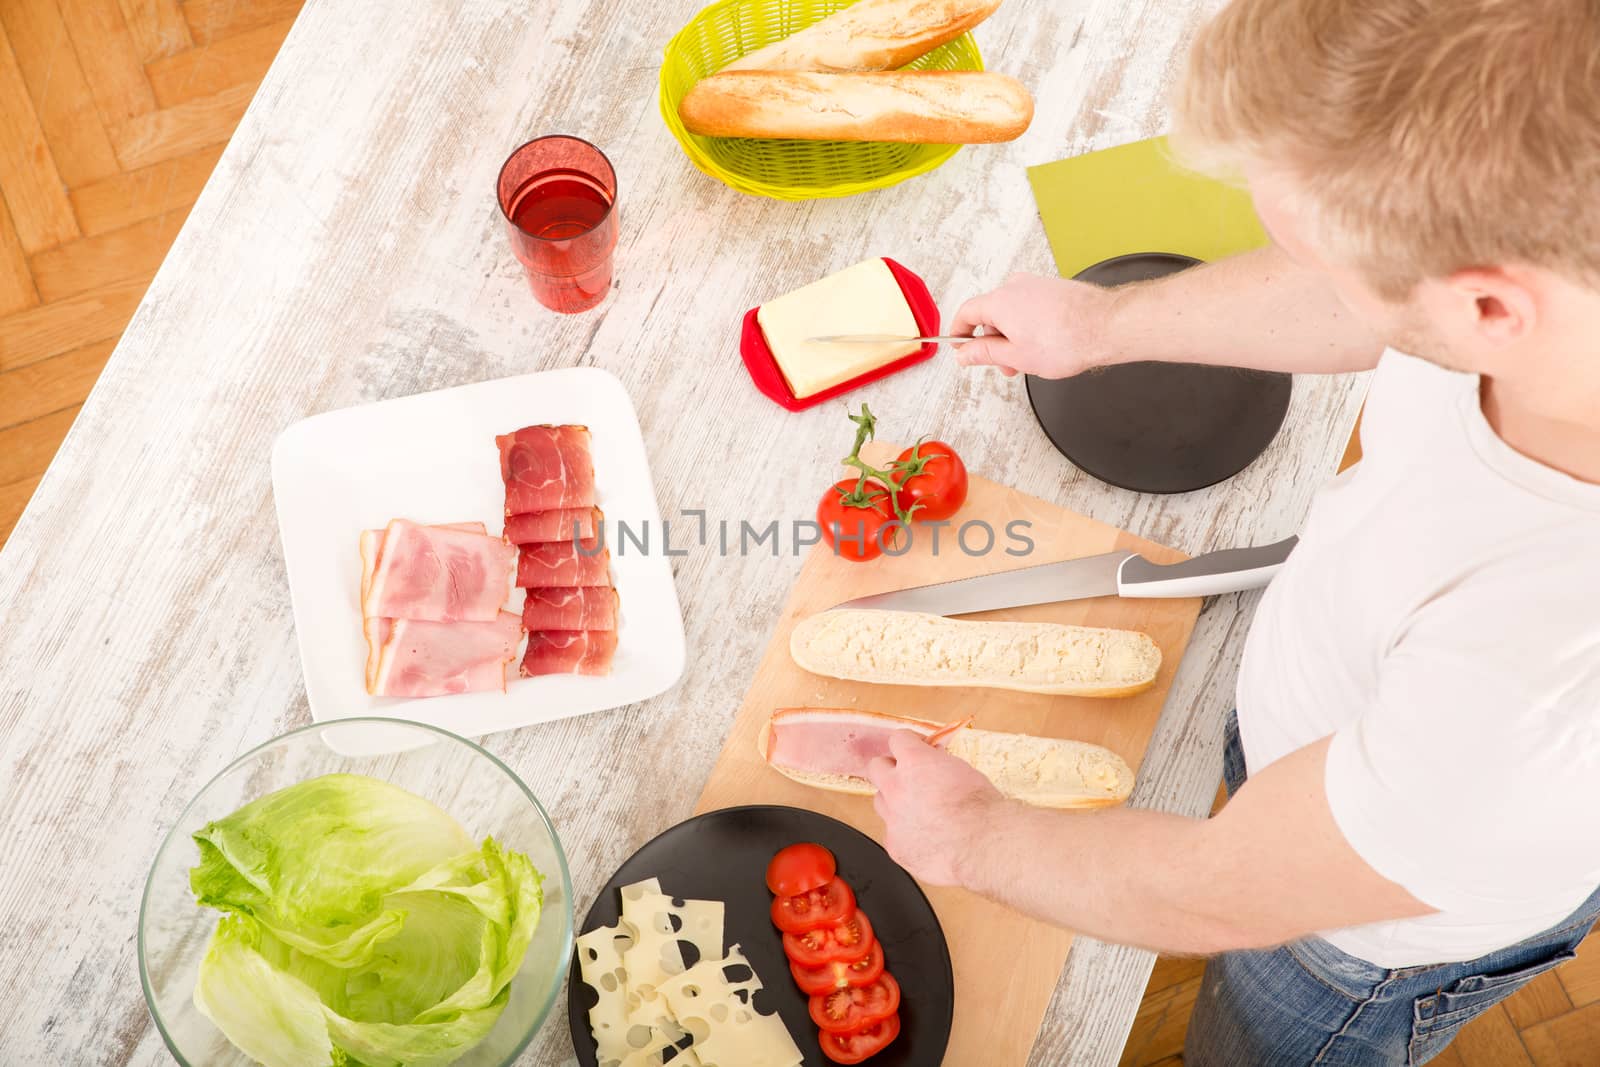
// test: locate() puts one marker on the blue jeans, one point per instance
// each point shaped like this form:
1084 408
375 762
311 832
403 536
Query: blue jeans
1309 1003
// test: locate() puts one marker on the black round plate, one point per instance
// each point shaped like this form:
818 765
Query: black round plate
1159 427
722 855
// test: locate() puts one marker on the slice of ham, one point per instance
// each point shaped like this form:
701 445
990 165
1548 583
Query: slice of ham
546 468
834 740
427 659
569 652
440 575
536 527
582 607
376 627
561 565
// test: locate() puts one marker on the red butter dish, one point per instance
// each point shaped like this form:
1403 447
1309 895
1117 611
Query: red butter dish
769 379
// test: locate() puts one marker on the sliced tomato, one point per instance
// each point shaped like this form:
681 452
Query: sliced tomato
800 868
858 1007
853 1048
823 906
830 976
843 942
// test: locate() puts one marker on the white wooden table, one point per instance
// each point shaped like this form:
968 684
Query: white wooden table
348 249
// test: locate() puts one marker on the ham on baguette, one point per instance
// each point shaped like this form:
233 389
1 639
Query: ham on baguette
870 35
829 748
910 648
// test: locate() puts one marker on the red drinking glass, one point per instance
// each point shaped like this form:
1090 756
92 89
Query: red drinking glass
558 195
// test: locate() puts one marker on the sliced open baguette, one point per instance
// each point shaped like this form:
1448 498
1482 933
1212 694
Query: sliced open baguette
829 748
910 648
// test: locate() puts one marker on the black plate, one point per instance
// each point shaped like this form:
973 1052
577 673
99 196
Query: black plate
722 855
1159 427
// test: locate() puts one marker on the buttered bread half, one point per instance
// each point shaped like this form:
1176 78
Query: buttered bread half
910 648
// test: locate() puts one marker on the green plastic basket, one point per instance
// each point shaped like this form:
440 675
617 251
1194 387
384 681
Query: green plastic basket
788 170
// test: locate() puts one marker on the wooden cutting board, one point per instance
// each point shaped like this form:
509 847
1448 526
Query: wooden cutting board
1006 964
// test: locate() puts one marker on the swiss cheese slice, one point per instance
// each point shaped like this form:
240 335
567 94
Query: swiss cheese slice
863 299
718 1010
600 963
655 1009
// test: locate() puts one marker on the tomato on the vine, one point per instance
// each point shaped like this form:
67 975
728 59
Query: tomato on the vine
844 941
932 479
853 1048
831 976
800 868
823 906
857 522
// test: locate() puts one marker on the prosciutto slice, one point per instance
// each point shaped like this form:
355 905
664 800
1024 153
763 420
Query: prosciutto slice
569 652
439 575
583 607
546 468
428 659
536 527
376 627
561 565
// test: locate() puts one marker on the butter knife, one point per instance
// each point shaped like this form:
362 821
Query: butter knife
886 338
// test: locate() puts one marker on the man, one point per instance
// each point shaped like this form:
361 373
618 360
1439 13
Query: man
1418 707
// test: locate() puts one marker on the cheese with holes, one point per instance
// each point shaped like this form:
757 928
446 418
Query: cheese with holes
863 299
668 996
713 1000
600 963
658 927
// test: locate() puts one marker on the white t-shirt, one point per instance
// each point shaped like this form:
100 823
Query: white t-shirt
1441 619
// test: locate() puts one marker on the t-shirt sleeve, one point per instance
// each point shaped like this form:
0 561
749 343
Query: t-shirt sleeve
1474 778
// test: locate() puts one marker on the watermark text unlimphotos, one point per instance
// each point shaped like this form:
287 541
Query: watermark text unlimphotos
692 530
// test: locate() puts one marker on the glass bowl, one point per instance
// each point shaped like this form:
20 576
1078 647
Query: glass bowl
478 790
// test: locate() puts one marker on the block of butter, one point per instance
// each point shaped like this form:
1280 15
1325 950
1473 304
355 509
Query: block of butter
864 298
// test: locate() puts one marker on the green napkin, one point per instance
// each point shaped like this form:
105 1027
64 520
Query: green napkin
1134 198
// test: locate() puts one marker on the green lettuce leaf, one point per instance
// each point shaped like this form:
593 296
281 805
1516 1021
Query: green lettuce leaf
377 963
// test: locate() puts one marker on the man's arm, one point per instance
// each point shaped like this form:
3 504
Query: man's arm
1270 867
1260 310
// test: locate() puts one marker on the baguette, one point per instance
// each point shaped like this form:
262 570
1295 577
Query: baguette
871 35
828 748
910 648
913 107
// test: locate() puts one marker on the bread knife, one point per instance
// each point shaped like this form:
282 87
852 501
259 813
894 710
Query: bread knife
1125 574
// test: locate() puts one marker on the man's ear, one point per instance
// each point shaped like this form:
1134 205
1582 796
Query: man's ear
1501 302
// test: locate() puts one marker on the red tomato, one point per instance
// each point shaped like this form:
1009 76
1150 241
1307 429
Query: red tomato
845 1011
830 976
800 868
940 486
823 906
843 942
856 532
853 1048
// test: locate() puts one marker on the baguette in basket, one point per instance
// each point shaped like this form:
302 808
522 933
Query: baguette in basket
905 106
870 35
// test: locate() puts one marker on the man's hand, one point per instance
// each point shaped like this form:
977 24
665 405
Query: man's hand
934 807
1052 327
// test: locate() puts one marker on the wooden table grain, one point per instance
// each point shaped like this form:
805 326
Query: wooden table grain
346 250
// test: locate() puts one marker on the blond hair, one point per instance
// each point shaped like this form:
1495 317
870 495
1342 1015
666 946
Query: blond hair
1429 136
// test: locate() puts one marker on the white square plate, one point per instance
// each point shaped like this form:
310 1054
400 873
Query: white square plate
431 458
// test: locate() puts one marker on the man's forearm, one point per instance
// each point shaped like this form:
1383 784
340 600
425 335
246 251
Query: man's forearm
1257 310
1122 875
